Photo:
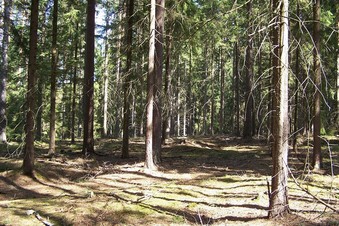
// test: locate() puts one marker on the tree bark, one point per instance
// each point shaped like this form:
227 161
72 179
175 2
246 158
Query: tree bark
317 156
222 91
237 91
4 69
106 74
279 194
52 131
168 91
157 115
149 161
28 162
297 78
248 124
154 85
337 21
74 92
88 139
128 79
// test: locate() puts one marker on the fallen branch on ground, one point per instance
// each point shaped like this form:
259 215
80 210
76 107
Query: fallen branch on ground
309 193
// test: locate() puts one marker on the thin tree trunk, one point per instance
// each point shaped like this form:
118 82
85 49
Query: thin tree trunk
128 80
212 96
74 92
317 157
117 129
52 131
157 115
168 91
222 91
178 99
28 162
337 21
279 194
149 157
296 97
106 74
88 139
4 70
237 90
248 124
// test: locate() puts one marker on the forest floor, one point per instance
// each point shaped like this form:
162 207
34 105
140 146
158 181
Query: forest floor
201 181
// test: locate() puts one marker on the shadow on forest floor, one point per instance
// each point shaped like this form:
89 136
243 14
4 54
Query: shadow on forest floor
203 180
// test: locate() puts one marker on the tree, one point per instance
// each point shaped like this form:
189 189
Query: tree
88 139
52 132
4 70
317 157
154 85
278 195
128 79
337 91
28 162
248 124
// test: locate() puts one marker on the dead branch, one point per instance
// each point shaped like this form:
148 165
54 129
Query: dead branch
309 193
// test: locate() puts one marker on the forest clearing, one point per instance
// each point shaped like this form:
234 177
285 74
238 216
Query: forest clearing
176 112
201 181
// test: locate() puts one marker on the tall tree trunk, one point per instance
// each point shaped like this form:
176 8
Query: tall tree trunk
88 139
337 21
178 100
168 91
317 157
189 95
41 86
154 85
248 124
279 196
128 79
4 69
52 132
106 74
222 92
149 161
117 126
28 162
212 96
237 89
157 115
297 78
74 92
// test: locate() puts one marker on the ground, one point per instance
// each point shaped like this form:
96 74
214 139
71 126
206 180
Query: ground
201 181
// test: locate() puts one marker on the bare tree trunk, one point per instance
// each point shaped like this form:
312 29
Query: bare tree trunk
74 92
128 79
4 69
317 157
157 115
279 194
28 162
237 91
168 91
222 92
297 78
149 161
337 21
52 132
105 90
248 124
117 127
88 139
212 95
178 100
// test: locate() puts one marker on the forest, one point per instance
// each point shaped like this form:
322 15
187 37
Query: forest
169 112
